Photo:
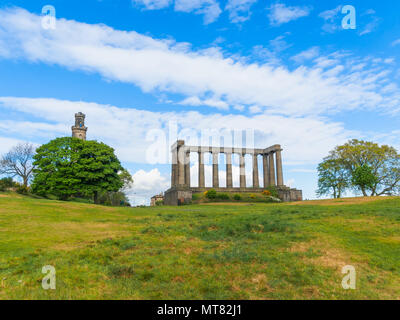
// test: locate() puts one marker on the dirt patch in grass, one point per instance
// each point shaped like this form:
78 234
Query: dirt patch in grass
87 233
328 256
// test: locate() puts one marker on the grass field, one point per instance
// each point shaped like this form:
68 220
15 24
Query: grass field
224 251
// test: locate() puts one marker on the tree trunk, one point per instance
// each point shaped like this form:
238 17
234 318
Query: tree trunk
364 192
96 197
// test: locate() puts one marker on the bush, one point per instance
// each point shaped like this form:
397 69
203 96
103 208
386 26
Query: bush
21 189
273 191
6 183
266 193
159 203
223 196
237 197
211 194
196 196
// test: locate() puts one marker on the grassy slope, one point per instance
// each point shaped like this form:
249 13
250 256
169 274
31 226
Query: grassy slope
258 251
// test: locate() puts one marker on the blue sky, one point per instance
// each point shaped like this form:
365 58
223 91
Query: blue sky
286 69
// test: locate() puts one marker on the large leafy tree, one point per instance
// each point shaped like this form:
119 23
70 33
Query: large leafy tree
383 161
18 162
333 178
372 169
364 179
69 166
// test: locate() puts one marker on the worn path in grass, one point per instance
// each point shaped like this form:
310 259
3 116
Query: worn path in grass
224 251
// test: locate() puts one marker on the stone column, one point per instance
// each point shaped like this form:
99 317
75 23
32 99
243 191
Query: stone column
229 183
201 170
187 169
174 171
272 181
181 166
279 171
256 183
242 171
265 170
215 169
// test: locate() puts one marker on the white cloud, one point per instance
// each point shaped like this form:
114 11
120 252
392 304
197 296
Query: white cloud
308 54
130 131
239 10
279 13
212 102
147 184
290 183
332 22
7 143
169 67
153 4
209 8
372 25
255 109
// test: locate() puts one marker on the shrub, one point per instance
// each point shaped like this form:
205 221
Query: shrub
159 203
273 191
21 189
252 196
266 193
211 194
237 197
196 196
223 196
6 183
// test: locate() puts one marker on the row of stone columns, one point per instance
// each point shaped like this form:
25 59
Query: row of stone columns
181 169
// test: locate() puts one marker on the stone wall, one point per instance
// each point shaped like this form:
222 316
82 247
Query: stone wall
175 197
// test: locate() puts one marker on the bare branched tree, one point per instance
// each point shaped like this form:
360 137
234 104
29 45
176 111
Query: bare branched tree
18 162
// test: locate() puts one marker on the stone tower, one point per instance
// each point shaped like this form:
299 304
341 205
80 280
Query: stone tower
79 130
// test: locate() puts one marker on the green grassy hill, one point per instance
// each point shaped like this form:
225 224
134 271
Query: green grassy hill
223 251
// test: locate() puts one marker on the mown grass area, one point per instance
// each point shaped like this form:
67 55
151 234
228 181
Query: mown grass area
224 251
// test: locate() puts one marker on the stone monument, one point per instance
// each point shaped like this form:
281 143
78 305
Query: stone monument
181 191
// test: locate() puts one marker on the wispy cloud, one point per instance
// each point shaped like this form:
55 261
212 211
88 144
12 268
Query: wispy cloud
152 4
332 20
210 9
373 23
165 66
128 130
396 43
279 13
239 10
305 55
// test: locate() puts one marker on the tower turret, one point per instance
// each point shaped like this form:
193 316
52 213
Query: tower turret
79 130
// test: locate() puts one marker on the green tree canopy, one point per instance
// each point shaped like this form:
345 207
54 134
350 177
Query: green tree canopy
363 178
69 166
333 178
370 168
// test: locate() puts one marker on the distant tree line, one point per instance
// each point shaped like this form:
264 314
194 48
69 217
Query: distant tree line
68 168
361 166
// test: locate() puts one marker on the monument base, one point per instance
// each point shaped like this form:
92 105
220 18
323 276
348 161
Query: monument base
183 195
177 196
